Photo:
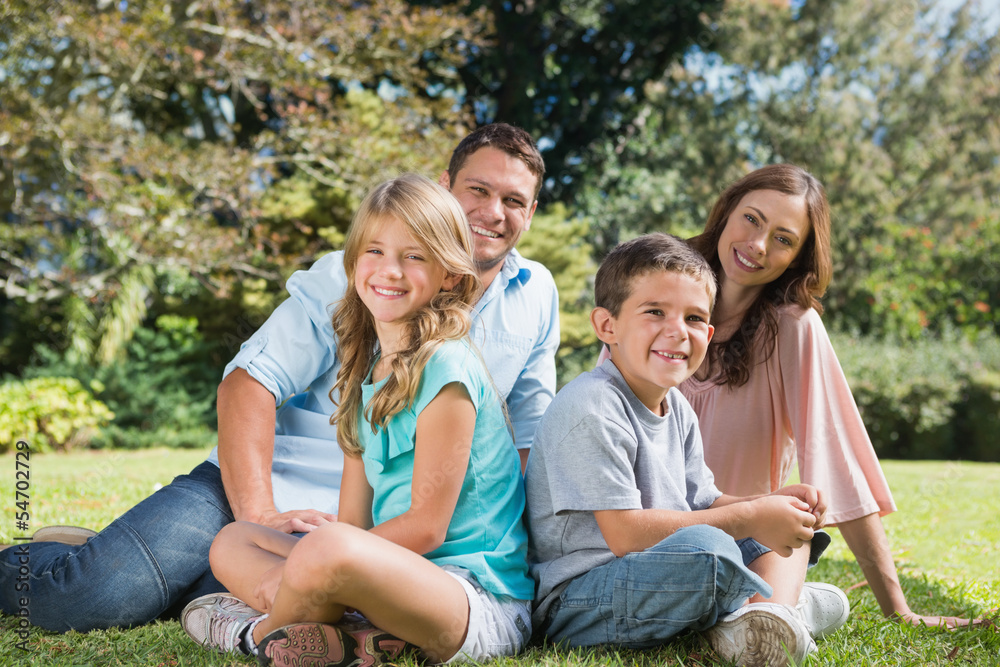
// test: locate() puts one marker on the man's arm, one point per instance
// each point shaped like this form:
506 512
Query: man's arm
246 447
536 384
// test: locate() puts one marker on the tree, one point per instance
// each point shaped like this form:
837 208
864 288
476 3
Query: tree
574 71
891 105
205 148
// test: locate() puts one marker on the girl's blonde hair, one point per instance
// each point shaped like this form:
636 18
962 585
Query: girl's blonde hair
437 221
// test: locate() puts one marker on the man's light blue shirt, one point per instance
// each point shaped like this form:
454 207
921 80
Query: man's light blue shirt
515 325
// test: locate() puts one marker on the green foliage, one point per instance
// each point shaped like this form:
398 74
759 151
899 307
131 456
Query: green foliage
162 391
934 398
147 145
49 413
921 282
558 240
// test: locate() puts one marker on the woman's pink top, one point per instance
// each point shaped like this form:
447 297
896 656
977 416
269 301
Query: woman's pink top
797 404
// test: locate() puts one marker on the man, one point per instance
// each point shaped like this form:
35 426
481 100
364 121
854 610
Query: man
281 466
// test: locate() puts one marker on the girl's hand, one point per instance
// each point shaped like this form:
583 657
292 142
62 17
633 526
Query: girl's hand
267 588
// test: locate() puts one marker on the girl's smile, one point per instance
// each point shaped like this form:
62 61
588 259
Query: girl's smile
395 277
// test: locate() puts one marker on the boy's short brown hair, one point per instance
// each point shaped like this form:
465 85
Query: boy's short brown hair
642 255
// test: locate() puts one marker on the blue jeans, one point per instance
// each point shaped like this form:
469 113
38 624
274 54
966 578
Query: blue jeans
149 562
685 582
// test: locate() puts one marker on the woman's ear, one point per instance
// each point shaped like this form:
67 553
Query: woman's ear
604 325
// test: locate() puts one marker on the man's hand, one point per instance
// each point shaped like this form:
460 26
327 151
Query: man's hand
782 523
295 521
811 496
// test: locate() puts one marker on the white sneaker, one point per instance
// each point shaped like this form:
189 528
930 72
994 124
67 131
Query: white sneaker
217 621
823 607
761 634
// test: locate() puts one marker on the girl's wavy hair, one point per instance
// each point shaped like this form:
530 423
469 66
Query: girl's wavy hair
803 283
437 221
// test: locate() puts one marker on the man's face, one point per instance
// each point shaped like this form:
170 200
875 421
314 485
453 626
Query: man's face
497 192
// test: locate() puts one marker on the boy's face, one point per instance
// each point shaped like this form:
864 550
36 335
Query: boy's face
661 334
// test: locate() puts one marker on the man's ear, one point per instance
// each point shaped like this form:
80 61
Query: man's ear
444 180
531 213
604 325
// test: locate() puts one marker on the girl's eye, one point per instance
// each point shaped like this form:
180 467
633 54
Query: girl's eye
417 258
374 251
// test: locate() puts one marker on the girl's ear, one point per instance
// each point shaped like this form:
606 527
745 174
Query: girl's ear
450 281
604 325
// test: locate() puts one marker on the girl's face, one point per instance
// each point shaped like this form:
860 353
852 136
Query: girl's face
396 275
763 236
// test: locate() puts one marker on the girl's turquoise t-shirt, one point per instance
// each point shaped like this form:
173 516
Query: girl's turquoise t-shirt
486 535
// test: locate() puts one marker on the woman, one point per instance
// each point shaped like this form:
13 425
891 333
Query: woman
771 391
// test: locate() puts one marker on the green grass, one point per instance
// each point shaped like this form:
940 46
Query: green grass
945 538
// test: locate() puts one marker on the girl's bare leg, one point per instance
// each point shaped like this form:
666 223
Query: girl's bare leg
339 566
248 559
785 575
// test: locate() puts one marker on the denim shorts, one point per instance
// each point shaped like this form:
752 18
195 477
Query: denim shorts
499 625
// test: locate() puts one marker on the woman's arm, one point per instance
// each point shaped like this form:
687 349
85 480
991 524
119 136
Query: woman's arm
867 540
441 457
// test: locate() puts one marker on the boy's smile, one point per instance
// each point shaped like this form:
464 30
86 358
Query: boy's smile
661 334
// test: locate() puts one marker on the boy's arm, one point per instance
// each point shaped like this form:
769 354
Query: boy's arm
782 523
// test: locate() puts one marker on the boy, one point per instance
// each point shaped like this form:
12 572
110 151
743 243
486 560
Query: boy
631 540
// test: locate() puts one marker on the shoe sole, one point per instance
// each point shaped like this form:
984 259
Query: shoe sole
323 645
749 647
73 535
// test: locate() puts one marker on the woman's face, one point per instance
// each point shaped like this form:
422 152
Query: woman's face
763 236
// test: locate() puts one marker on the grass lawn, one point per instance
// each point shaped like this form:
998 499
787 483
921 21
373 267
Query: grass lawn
946 541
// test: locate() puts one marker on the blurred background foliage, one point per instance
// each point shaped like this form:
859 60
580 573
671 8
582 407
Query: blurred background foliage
164 167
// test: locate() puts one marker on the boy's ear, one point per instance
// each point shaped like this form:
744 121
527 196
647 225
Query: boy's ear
604 325
450 281
711 332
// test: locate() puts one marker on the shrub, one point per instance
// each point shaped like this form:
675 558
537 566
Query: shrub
162 392
50 413
934 398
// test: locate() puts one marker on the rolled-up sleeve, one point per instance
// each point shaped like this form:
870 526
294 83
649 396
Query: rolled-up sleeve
296 344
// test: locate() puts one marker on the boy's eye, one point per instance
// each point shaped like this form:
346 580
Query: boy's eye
374 251
654 311
696 318
417 258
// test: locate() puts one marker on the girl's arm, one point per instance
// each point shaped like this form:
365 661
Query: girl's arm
867 540
441 457
355 494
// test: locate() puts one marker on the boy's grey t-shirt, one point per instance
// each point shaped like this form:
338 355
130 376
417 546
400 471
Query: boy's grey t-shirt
599 448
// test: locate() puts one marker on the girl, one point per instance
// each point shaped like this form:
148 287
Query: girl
771 390
429 545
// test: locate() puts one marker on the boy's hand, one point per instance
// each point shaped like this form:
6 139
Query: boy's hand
811 496
782 523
